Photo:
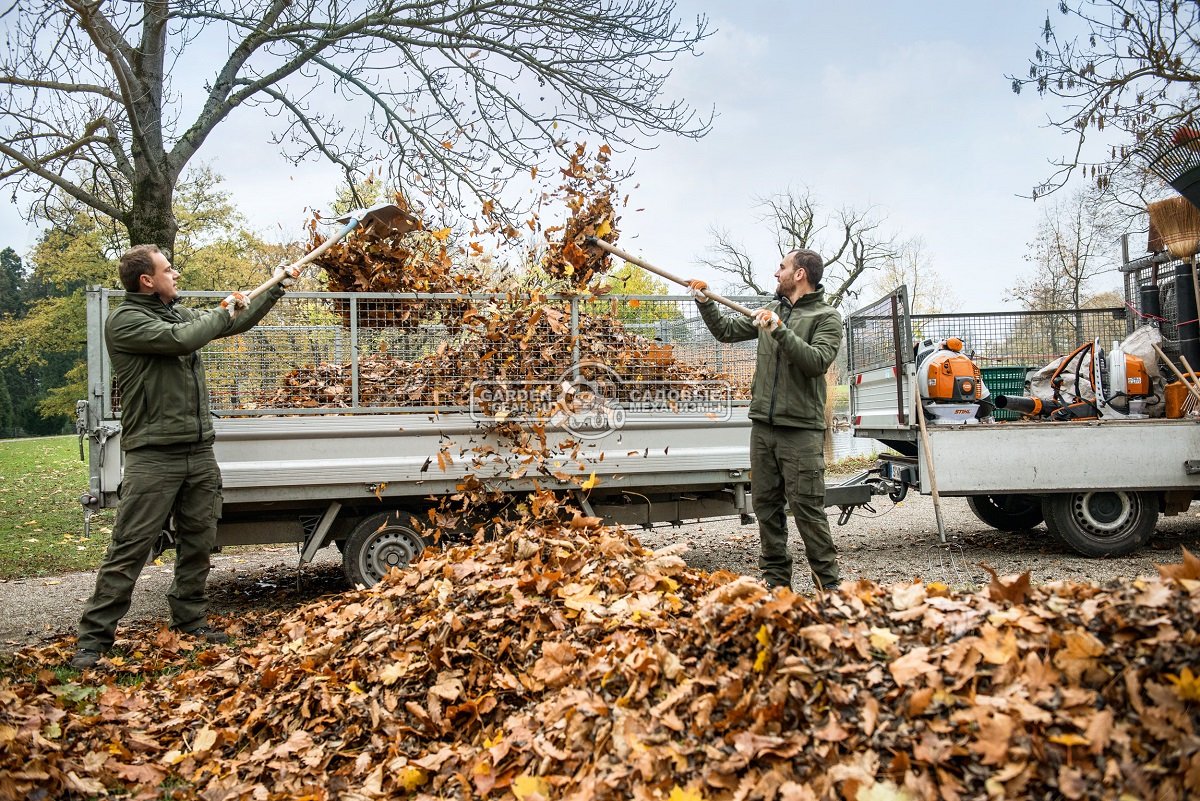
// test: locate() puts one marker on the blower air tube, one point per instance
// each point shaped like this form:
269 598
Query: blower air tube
1024 405
1078 410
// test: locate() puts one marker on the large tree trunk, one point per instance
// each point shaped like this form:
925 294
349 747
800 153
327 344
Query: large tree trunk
151 219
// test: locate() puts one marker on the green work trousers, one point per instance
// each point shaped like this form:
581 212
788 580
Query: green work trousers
158 481
788 469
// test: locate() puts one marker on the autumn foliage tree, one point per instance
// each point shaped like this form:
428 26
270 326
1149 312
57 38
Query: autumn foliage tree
107 103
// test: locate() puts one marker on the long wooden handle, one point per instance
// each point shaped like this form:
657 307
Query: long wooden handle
1162 356
600 243
314 253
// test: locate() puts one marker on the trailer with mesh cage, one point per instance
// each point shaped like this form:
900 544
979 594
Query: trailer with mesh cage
347 418
1098 485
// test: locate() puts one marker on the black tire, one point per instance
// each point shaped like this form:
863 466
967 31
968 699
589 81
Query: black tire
1048 516
379 543
1007 512
1103 522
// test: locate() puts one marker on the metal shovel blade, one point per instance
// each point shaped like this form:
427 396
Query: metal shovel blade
385 218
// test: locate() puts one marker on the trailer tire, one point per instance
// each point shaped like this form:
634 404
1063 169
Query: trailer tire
1007 512
1102 522
377 544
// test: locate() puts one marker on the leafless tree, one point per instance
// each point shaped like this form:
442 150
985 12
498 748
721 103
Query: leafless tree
928 292
1074 245
851 241
1129 66
454 95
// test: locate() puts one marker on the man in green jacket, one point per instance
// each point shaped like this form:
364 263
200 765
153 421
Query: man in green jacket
166 439
798 338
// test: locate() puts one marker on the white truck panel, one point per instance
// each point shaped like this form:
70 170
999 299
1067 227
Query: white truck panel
1044 457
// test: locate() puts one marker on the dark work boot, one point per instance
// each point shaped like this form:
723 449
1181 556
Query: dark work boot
85 658
209 634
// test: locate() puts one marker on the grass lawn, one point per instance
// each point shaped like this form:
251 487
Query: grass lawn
41 521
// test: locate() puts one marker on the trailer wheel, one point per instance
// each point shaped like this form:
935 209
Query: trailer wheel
1103 522
1007 512
379 543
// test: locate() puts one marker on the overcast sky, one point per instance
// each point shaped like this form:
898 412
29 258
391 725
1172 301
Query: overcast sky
900 106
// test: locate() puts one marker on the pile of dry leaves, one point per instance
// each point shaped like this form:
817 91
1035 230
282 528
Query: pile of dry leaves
565 661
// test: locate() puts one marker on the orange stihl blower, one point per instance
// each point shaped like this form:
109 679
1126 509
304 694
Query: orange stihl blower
1111 384
951 389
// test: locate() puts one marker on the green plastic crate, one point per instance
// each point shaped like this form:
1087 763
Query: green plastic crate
1004 381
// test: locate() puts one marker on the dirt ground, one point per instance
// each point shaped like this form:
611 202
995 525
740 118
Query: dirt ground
897 543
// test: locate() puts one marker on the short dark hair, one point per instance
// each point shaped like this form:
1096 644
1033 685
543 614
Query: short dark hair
136 262
812 263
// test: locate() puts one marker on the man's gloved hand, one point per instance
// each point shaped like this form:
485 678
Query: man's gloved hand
697 288
767 320
234 304
289 275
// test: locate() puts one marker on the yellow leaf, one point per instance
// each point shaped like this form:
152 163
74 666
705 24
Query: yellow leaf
441 234
680 794
604 229
591 481
1187 685
526 786
354 688
1069 739
882 639
533 172
205 739
448 144
764 639
391 674
883 791
410 778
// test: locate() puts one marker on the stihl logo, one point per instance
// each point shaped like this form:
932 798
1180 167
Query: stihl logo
1136 380
962 411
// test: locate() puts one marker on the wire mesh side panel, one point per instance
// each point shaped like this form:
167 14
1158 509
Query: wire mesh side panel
665 341
1151 280
878 334
1026 338
339 353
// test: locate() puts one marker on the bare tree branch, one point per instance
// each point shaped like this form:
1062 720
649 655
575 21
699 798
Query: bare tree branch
451 95
1124 70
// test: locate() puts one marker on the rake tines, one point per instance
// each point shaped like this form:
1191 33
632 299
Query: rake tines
1175 157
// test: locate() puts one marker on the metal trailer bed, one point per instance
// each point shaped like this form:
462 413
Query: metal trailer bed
1098 485
361 453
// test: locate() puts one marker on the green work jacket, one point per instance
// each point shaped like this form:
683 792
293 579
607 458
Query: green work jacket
155 352
789 374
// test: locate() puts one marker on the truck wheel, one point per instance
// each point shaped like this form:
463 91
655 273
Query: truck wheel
1103 522
1007 512
379 543
1051 523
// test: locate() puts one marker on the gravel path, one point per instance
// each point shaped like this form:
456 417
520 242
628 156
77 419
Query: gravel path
899 543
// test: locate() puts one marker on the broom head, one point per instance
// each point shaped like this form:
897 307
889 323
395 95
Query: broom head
1178 224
